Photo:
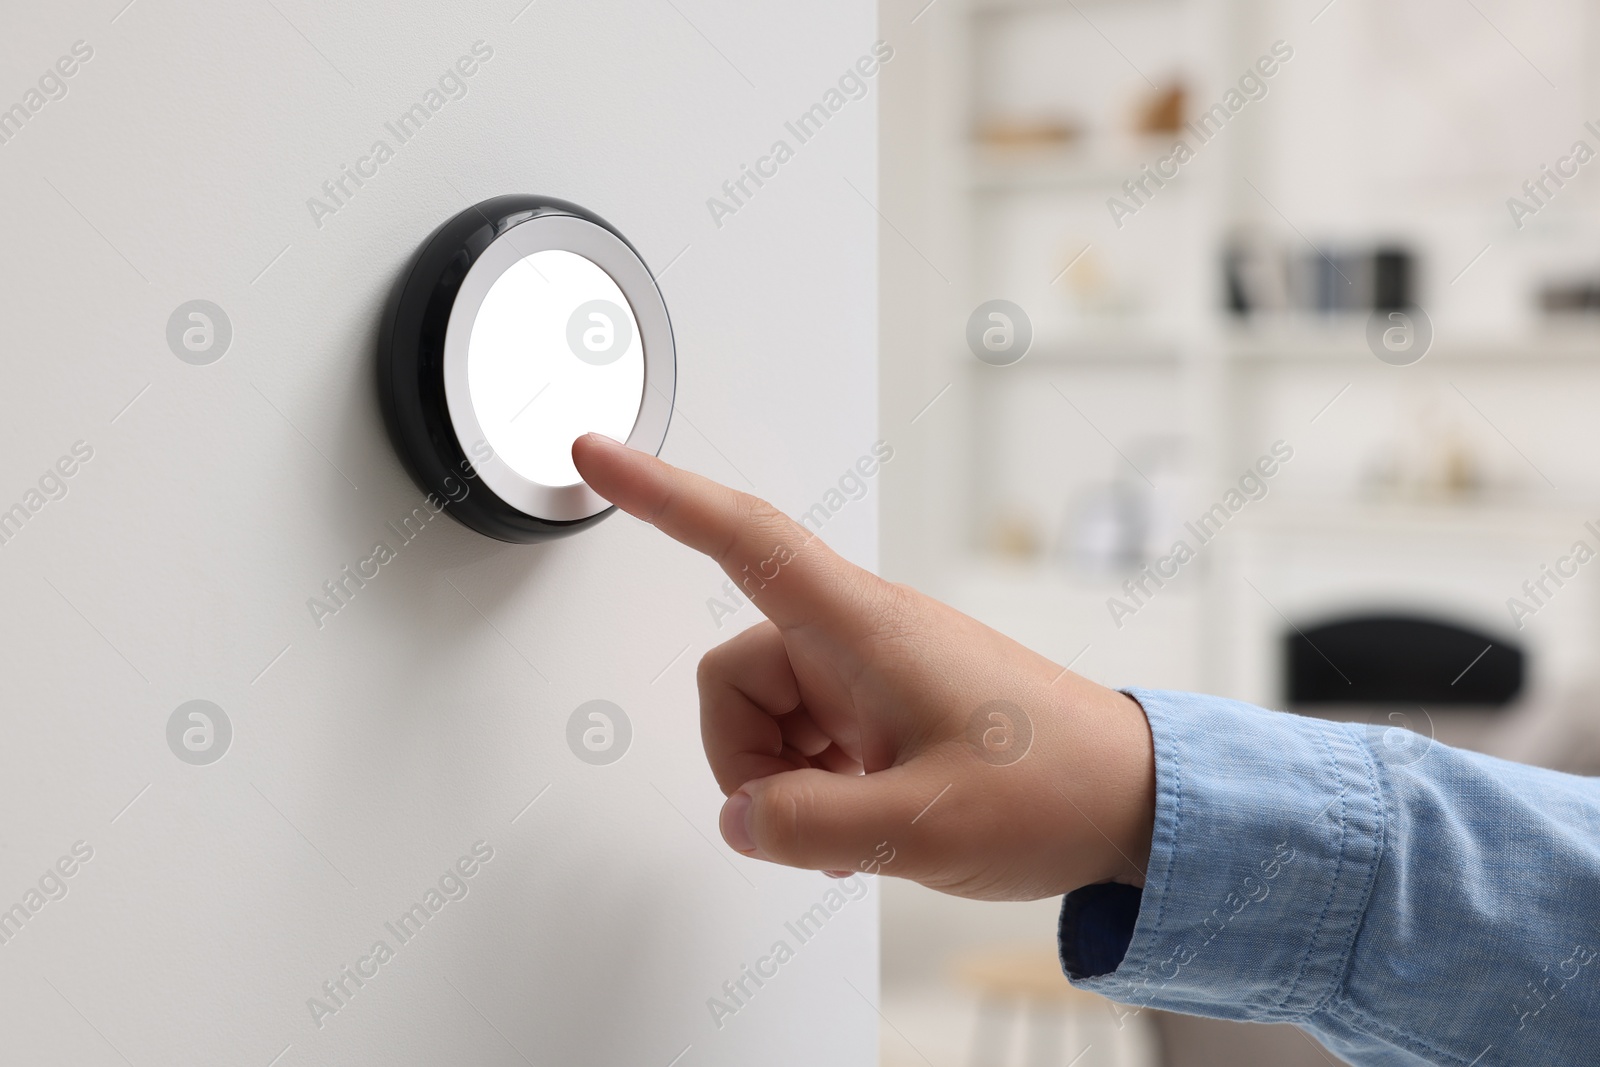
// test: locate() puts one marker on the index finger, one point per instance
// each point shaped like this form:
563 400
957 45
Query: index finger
752 541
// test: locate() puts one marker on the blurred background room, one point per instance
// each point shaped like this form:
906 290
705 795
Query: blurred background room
1342 345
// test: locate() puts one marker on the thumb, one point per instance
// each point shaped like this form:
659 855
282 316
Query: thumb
820 820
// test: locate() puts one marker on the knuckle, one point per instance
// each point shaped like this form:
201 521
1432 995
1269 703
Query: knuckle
665 507
762 518
713 665
778 819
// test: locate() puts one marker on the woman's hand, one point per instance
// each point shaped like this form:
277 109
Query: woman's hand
866 726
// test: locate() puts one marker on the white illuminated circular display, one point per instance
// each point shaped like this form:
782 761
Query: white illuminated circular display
556 330
555 352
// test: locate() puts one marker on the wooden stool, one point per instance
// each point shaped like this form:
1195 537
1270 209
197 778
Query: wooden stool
1029 982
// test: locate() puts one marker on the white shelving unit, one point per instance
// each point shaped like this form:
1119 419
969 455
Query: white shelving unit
1112 362
1138 375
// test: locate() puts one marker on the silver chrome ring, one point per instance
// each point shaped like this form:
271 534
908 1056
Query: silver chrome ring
564 503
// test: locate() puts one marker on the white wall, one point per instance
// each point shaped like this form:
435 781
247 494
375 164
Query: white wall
426 714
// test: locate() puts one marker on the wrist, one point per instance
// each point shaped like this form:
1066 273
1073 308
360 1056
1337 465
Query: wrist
1111 793
1139 803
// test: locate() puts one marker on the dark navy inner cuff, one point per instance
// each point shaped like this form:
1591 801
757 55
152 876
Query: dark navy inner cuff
1096 927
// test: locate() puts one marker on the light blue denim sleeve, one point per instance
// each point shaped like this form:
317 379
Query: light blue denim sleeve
1407 902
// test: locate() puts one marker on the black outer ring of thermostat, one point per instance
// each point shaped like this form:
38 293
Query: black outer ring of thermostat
411 366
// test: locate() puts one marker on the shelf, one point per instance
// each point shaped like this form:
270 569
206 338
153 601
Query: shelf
1307 345
1086 166
1498 516
1092 351
1040 576
1343 340
986 8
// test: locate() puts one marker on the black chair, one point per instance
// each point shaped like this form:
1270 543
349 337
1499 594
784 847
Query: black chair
1400 659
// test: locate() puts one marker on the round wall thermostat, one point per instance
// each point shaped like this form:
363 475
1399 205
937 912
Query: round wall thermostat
521 324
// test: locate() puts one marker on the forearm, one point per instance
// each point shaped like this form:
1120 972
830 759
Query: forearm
1410 902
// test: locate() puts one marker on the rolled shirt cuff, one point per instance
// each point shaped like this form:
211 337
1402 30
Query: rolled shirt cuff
1268 831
